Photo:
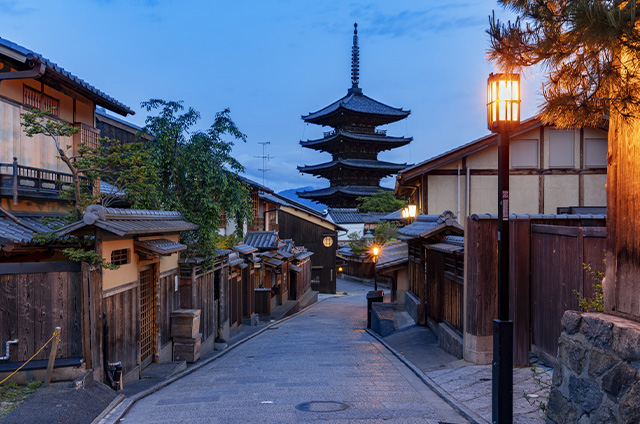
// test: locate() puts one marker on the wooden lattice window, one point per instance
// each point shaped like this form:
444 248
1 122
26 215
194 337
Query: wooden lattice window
147 314
223 220
34 99
121 256
254 204
88 136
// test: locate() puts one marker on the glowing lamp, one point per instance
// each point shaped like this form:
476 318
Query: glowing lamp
503 102
375 250
339 269
409 211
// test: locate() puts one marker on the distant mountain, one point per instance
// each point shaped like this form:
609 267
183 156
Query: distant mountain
291 194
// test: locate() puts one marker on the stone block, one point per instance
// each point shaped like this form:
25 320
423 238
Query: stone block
585 392
572 353
619 380
559 408
596 330
605 415
626 342
630 407
600 362
557 375
571 321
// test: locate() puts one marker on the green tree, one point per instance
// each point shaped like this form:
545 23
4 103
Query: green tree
195 172
589 49
382 201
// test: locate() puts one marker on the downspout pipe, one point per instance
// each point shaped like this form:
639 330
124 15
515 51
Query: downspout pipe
6 350
36 71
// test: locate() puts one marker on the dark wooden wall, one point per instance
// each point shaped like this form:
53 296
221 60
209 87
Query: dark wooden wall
310 235
169 302
32 305
445 288
197 291
122 312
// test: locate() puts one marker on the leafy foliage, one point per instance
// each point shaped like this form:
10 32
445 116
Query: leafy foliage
591 50
79 254
195 172
595 303
382 201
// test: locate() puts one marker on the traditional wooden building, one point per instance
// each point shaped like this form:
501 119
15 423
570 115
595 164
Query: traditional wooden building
309 228
41 288
354 143
551 170
137 298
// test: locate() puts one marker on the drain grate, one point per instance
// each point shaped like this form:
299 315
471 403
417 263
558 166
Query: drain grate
322 406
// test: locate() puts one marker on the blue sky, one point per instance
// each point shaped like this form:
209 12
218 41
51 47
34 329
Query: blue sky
272 61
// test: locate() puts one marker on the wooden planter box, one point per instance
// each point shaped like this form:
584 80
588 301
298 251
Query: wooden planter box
185 323
187 349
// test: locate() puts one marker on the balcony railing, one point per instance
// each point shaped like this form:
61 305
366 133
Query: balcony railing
19 180
88 135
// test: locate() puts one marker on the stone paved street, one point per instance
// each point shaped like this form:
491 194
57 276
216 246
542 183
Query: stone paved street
322 355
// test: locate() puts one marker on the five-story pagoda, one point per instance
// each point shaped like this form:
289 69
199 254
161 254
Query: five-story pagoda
354 144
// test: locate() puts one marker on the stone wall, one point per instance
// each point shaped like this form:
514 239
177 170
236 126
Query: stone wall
596 377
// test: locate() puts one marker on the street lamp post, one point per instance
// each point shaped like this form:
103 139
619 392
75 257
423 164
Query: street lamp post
375 250
503 115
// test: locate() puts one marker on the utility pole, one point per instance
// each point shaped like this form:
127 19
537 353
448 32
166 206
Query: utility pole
265 158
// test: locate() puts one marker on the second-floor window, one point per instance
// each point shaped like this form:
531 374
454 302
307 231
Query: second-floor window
121 256
34 99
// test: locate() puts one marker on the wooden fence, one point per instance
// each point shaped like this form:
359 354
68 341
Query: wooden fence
33 304
545 267
445 288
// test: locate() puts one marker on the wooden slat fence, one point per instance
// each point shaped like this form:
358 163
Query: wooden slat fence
545 266
557 258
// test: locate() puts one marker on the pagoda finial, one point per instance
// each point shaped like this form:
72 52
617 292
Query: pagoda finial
355 58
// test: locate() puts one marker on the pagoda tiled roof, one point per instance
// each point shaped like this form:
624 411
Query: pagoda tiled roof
346 190
358 103
345 216
367 164
382 139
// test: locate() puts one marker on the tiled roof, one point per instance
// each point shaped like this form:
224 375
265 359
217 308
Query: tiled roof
130 221
393 253
255 184
262 239
428 225
245 249
357 102
446 248
161 246
345 216
110 189
278 199
373 216
367 164
369 138
103 99
13 232
303 255
346 190
393 216
476 217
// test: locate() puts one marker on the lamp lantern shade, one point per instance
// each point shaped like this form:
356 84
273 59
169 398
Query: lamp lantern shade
412 211
375 250
503 102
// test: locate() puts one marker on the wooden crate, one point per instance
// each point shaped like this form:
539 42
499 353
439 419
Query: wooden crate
187 349
185 323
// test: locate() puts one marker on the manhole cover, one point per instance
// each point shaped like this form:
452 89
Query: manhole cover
322 406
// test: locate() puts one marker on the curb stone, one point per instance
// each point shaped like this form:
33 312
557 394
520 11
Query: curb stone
116 410
446 396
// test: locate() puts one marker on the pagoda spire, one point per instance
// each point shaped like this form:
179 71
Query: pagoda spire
355 58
